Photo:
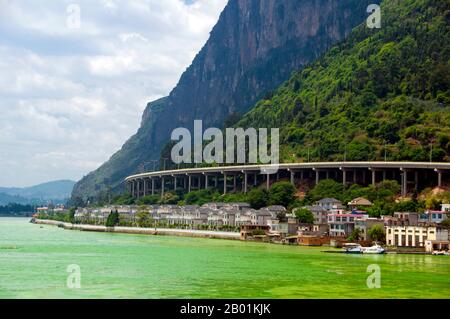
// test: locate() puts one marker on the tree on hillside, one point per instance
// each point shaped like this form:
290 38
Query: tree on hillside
376 233
282 193
257 198
304 216
327 188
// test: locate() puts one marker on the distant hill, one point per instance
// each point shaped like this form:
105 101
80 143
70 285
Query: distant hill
56 191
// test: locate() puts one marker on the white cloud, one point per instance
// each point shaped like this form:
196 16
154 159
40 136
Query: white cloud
69 98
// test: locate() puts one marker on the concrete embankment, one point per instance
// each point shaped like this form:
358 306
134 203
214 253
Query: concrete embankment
143 231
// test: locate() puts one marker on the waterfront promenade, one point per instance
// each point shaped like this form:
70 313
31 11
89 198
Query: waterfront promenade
410 175
143 231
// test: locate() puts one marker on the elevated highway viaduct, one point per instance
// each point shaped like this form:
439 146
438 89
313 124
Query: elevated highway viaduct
410 175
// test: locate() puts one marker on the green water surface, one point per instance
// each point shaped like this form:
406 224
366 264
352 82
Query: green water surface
34 261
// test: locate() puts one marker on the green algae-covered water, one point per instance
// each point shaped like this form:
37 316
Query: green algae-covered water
34 261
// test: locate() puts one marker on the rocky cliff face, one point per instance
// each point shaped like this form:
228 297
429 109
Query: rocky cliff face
253 48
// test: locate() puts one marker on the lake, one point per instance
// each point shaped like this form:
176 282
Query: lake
34 260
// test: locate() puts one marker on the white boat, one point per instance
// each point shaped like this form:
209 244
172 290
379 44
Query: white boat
375 249
353 248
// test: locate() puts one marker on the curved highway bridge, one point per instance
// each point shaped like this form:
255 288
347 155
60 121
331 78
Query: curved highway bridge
411 176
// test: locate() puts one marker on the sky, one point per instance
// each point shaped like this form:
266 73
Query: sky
75 77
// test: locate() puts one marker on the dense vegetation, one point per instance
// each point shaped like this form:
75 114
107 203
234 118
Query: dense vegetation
67 216
281 193
15 209
382 93
384 197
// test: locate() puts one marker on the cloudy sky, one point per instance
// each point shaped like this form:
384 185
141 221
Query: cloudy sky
72 90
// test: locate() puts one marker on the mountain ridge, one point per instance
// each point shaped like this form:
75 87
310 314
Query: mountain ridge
59 190
253 48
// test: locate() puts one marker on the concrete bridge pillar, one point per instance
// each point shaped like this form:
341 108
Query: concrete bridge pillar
439 173
175 183
153 186
268 182
145 180
234 183
224 183
292 177
317 175
189 183
404 177
138 189
245 182
162 186
374 177
206 181
416 180
255 180
344 176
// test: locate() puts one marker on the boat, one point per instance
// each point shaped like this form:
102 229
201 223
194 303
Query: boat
439 253
375 249
353 248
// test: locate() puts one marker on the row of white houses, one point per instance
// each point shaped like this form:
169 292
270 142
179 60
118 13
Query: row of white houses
214 214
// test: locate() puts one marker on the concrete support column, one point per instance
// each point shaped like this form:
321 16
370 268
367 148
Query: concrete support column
302 175
138 189
153 186
404 183
317 176
255 180
416 180
374 177
224 183
162 186
216 182
145 187
206 181
175 183
344 177
439 172
189 183
384 176
234 183
354 176
292 177
268 182
245 182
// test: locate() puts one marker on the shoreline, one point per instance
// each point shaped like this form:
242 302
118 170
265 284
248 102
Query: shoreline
142 231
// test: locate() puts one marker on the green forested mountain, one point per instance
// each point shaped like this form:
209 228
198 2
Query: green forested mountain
254 47
381 92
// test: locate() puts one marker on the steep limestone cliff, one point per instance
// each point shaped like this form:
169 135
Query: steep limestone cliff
254 47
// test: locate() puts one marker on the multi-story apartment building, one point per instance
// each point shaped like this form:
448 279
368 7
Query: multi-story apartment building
341 225
414 236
